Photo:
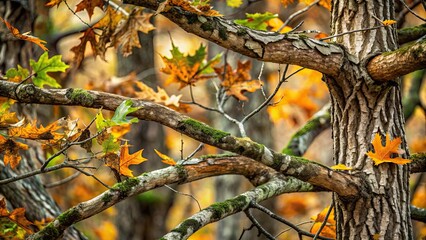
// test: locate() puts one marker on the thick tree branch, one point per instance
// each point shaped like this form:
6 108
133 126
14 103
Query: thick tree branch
265 46
342 183
409 34
418 214
390 65
193 170
419 162
237 204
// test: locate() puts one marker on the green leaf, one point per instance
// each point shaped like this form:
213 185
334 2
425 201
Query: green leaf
207 67
234 3
110 145
256 21
199 55
101 122
17 74
45 65
122 111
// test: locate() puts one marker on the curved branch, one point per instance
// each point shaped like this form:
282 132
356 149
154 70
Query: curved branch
265 46
344 184
418 214
193 170
220 210
390 65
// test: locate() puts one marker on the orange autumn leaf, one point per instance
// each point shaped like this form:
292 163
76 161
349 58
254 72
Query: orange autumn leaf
89 6
321 35
200 8
165 159
329 229
17 216
52 3
275 24
388 22
382 153
25 36
238 81
160 96
127 159
31 131
10 149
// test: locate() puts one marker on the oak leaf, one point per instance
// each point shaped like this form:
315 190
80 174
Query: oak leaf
10 149
79 50
127 33
329 229
17 216
31 131
382 153
257 21
165 159
127 159
25 36
238 81
89 6
43 66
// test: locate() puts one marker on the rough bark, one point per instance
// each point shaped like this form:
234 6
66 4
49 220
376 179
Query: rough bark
360 108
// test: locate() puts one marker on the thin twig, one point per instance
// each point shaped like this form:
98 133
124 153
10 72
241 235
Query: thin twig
411 11
290 228
199 148
258 226
353 31
185 194
324 222
63 181
297 13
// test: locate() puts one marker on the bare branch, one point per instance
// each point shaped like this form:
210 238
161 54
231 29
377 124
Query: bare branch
418 214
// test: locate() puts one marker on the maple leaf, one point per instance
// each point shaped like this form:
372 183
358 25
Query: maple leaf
237 81
10 149
17 216
89 6
187 69
382 153
80 49
329 229
45 65
160 96
25 36
165 159
127 159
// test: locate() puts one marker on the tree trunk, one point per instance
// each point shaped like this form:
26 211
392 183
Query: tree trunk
361 108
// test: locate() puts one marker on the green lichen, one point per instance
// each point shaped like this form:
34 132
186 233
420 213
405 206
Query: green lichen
49 232
181 172
197 126
126 186
185 225
80 96
106 198
221 208
223 155
69 217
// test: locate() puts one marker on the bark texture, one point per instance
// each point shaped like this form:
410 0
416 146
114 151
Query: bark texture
360 108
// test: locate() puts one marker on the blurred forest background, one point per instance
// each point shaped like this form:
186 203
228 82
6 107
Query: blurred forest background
151 214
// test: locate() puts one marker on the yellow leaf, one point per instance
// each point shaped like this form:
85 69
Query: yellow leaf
341 167
234 3
276 23
31 131
165 159
382 153
388 22
127 159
